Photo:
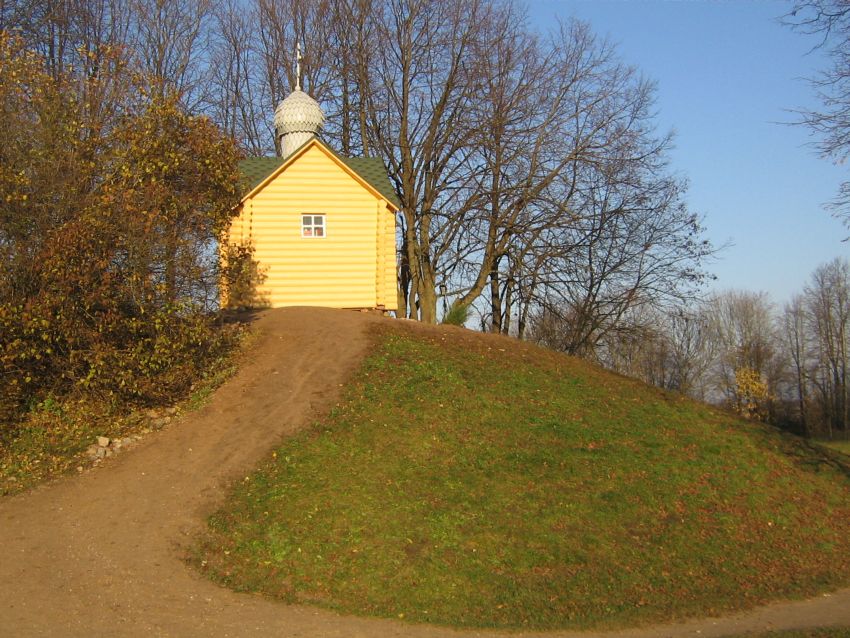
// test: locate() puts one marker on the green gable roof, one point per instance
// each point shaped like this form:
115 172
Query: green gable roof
373 171
370 169
255 169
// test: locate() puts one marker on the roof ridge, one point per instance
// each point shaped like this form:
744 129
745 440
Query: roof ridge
370 169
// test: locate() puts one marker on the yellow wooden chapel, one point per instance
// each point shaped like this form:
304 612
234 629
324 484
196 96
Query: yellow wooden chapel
322 226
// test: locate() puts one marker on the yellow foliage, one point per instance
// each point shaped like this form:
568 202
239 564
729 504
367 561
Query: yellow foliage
751 394
106 272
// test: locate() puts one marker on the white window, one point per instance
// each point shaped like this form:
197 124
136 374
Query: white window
313 226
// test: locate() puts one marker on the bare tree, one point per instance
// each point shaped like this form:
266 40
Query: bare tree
353 43
828 304
237 98
416 108
170 40
573 194
830 20
797 345
69 34
690 350
522 101
624 240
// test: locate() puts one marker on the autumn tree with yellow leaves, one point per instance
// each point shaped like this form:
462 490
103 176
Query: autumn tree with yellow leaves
751 394
111 201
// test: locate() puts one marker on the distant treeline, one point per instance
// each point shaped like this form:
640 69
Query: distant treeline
788 365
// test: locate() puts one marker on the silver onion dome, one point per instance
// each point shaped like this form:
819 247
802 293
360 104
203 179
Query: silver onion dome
296 119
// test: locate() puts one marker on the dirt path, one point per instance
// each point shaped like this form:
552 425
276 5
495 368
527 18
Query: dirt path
99 554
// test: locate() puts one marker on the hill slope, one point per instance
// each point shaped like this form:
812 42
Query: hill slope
477 481
102 553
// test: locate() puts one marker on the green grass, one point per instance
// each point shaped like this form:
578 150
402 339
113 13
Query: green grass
480 482
53 438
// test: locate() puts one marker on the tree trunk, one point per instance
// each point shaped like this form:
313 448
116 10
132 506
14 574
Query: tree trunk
509 299
495 301
428 300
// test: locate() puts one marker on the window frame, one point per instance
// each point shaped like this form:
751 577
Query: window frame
312 226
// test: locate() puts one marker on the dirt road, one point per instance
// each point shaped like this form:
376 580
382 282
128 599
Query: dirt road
98 554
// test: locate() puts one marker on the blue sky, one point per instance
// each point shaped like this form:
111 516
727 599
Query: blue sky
727 75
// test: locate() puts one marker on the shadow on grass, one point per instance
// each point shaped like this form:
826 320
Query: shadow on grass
806 453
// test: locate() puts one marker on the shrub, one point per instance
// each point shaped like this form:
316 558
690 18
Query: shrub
241 277
113 200
457 315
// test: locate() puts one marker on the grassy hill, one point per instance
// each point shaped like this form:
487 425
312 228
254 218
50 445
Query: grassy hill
473 480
